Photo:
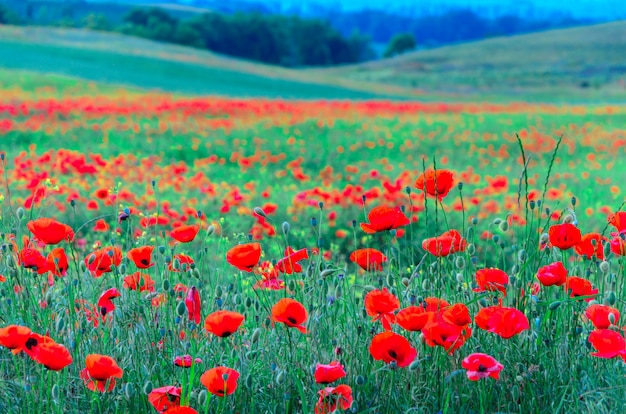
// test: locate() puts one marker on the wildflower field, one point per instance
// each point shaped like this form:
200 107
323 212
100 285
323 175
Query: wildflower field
215 255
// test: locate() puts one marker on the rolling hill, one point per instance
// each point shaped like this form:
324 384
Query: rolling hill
578 62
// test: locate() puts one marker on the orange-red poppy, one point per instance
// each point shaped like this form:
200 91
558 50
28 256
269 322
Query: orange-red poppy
141 256
101 226
441 246
383 218
381 305
102 261
180 410
223 323
57 262
591 245
618 220
164 398
290 312
14 337
45 351
491 280
50 231
186 233
368 259
577 286
289 264
457 314
99 371
436 183
139 281
332 398
391 347
599 316
608 344
33 259
505 322
480 365
194 307
552 274
244 256
105 303
325 374
439 332
564 236
269 277
413 318
220 381
183 260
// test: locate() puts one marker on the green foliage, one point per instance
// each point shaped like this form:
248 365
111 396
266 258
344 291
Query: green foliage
399 44
96 21
7 16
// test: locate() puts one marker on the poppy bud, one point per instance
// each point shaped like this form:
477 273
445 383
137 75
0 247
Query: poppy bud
389 279
129 390
327 272
504 226
313 222
360 380
181 308
573 201
92 258
460 186
474 221
482 302
259 211
522 256
515 393
280 377
55 392
414 365
285 227
460 278
257 306
237 299
202 396
291 285
459 262
407 190
320 242
405 281
248 381
497 221
147 387
321 205
122 268
369 288
554 305
568 218
611 298
255 335
175 264
248 303
20 213
531 204
495 238
60 324
9 261
544 238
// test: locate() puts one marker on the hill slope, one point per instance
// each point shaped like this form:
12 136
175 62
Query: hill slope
585 60
135 62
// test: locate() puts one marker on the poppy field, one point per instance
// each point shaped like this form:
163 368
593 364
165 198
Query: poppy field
217 255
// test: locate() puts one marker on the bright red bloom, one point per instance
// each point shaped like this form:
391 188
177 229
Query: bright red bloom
333 397
577 286
244 256
618 245
413 318
591 245
552 274
102 261
139 281
105 304
185 234
220 381
505 322
33 259
223 323
50 231
183 260
368 259
325 374
141 256
564 236
391 347
186 361
440 332
57 262
100 370
380 305
383 218
491 280
289 264
436 183
14 337
180 410
599 316
194 307
46 352
618 220
269 277
457 314
446 244
608 343
164 398
290 312
154 221
482 366
101 226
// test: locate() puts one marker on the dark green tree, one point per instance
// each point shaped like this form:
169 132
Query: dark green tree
399 44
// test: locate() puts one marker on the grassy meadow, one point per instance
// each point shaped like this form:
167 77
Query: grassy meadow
493 226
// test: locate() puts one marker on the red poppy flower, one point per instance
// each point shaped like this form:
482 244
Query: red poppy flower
457 314
481 366
391 347
599 316
577 286
139 281
183 260
180 410
194 307
449 336
436 183
333 397
608 344
50 231
101 226
164 398
14 337
380 305
220 381
185 234
223 323
102 261
244 256
564 236
57 262
368 259
618 220
186 361
141 256
325 374
505 322
591 245
491 280
105 304
618 245
33 259
100 370
413 318
154 221
289 264
290 312
446 244
384 218
552 274
435 304
46 352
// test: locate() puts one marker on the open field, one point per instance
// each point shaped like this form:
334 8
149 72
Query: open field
124 169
